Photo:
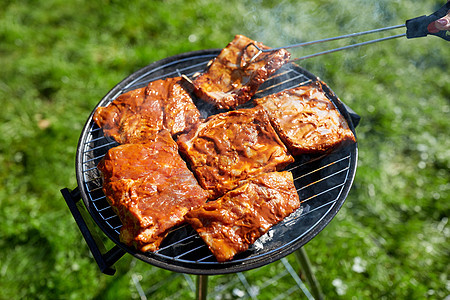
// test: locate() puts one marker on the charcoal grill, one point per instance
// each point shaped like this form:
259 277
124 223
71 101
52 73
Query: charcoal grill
322 182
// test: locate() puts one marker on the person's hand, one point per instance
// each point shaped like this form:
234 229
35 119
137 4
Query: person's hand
440 24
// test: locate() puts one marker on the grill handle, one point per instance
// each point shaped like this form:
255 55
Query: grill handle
104 259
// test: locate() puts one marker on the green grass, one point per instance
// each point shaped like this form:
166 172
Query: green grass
59 58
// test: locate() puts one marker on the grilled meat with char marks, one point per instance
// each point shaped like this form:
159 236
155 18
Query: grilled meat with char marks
227 84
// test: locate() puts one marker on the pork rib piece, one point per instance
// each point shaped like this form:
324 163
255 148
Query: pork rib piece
306 120
233 146
232 223
150 188
227 84
138 115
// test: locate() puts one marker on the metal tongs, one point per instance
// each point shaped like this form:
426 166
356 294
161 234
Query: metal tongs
417 27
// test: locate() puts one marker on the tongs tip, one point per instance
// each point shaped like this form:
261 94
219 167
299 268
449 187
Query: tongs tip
244 62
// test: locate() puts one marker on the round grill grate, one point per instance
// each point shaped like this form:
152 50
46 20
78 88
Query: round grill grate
322 182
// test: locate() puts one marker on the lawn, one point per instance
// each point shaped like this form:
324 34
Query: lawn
59 58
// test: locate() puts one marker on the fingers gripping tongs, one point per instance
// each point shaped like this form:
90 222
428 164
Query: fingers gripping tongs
423 26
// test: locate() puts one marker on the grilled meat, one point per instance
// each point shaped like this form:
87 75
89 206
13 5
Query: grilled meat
233 146
234 155
232 223
138 115
306 120
227 84
180 112
130 118
150 188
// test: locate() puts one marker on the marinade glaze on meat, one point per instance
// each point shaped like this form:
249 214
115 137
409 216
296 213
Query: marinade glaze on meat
236 220
130 118
230 147
306 120
150 188
227 84
138 115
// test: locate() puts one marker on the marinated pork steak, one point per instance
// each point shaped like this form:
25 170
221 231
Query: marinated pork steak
306 120
231 147
179 110
150 188
130 118
233 222
228 83
138 115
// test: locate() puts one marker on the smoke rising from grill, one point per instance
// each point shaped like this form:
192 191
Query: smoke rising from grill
291 22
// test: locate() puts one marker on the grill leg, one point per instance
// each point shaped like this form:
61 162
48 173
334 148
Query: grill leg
305 264
202 287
